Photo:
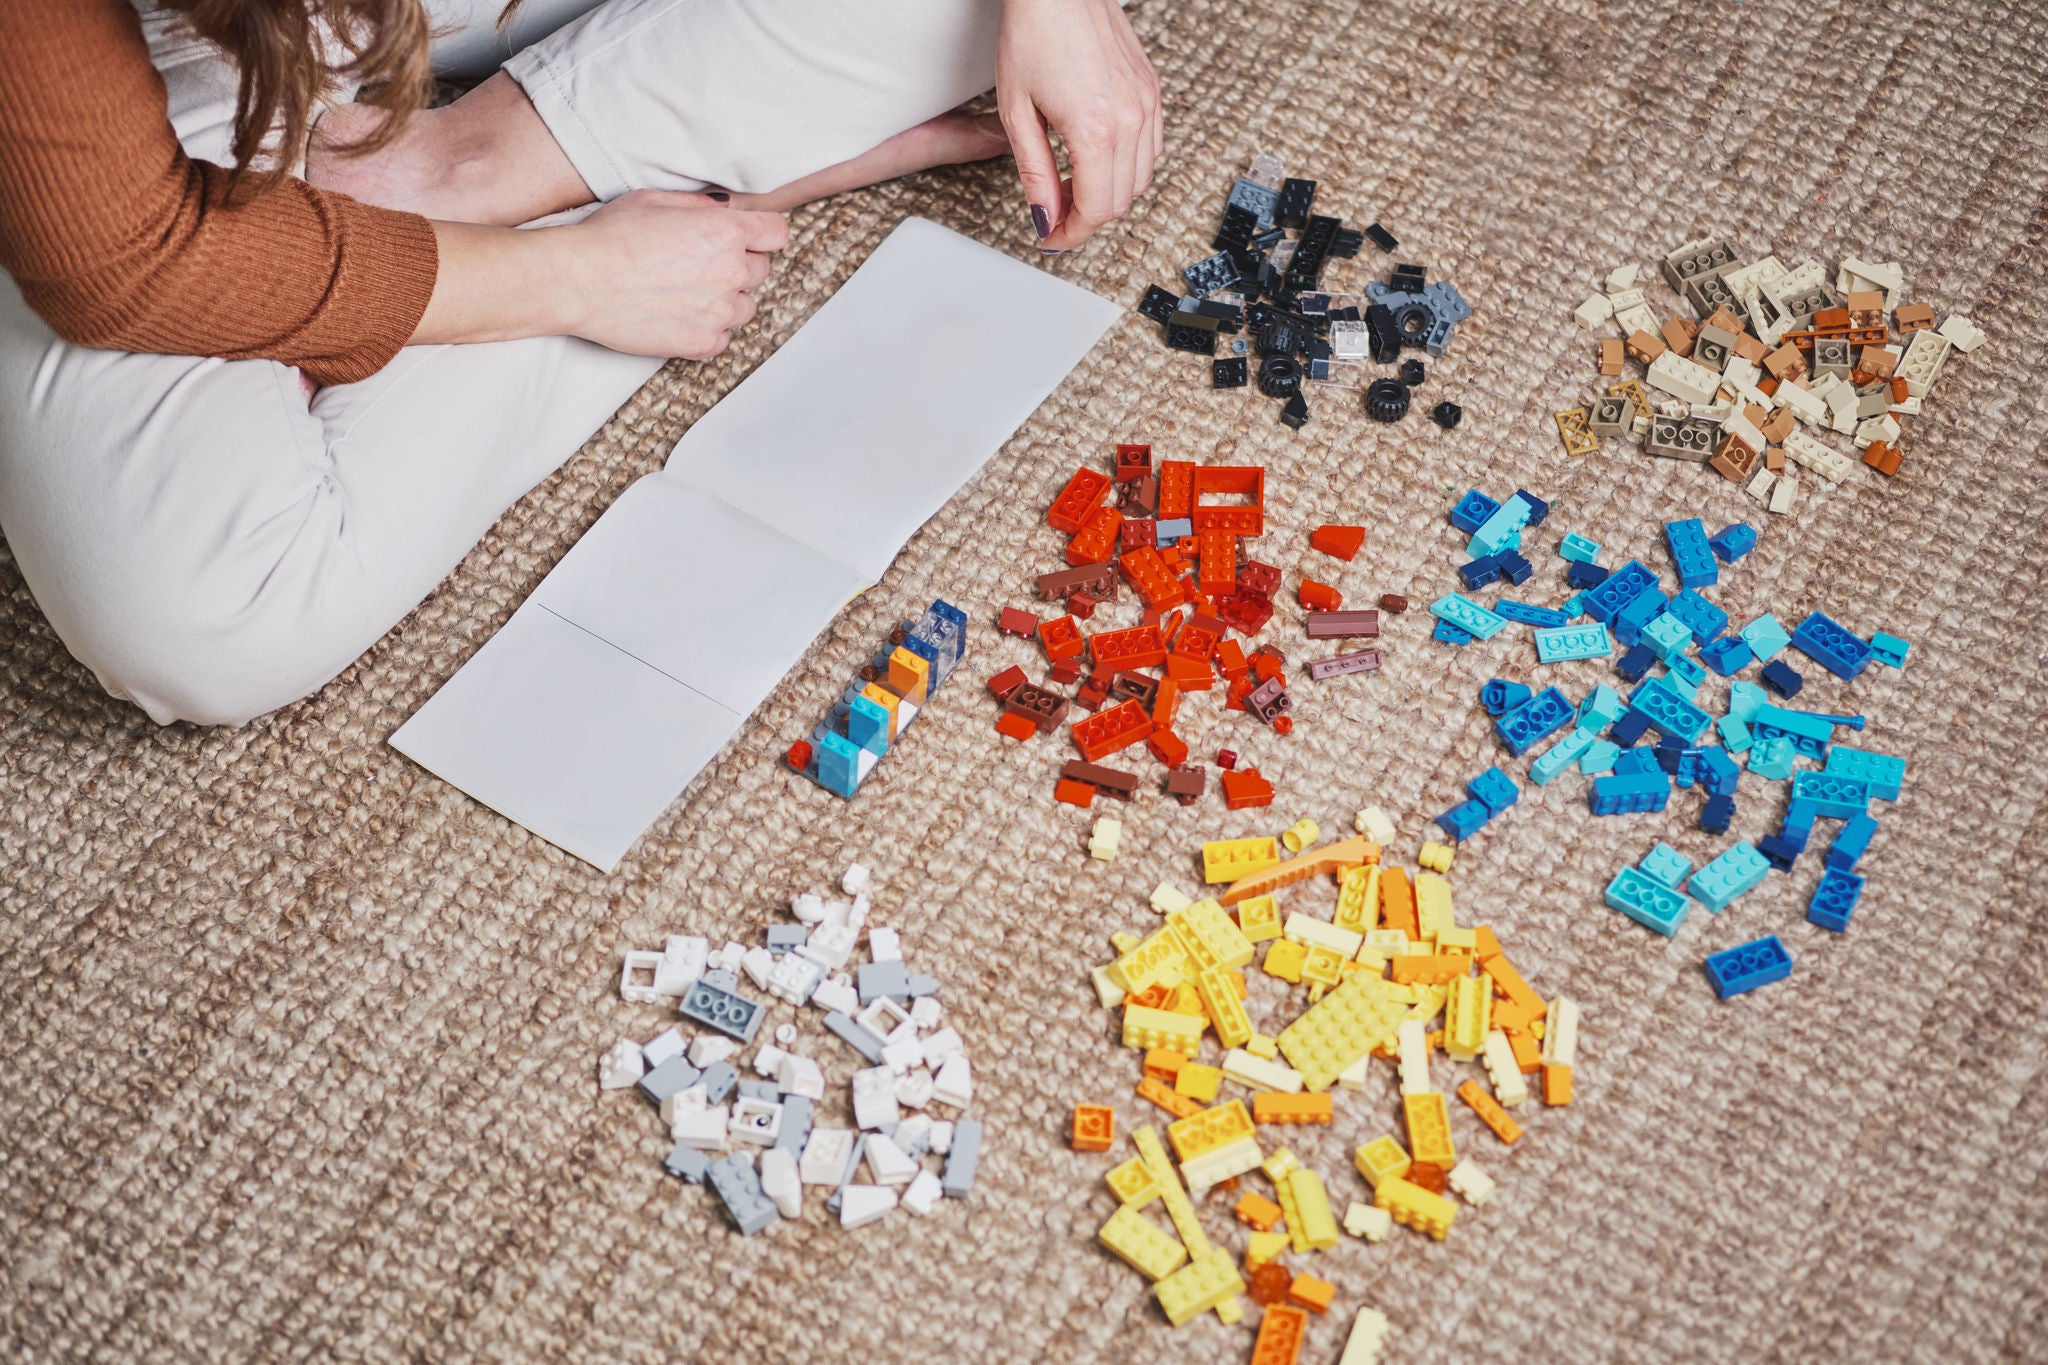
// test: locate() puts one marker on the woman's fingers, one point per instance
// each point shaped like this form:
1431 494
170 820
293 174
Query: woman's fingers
1037 171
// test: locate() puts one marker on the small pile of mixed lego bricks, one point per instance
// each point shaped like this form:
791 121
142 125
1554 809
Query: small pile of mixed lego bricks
1180 551
1271 247
1774 350
887 1015
1682 637
1388 959
890 691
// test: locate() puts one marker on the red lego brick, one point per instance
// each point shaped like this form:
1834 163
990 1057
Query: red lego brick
1319 596
1081 606
800 752
1073 793
1340 542
1230 481
1198 638
1018 622
1133 462
1016 727
1137 647
1246 612
1111 731
1141 688
1065 672
1165 705
1167 747
1246 790
1229 658
1186 784
1266 664
1077 501
1044 709
1097 580
1218 557
1006 682
1176 489
1061 637
1093 693
1259 578
1283 725
1149 575
1192 675
1096 544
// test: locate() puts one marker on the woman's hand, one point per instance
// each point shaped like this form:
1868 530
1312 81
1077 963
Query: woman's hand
1074 66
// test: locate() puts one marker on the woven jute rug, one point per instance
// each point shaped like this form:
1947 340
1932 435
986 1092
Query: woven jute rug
301 1041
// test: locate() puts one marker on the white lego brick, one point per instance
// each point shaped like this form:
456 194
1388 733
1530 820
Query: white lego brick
1637 319
1965 335
826 1152
857 913
884 945
914 1090
836 994
1883 427
1472 1184
1823 460
800 1076
1412 1040
886 1021
1260 1074
1561 1032
874 1097
1784 494
622 1066
808 908
1759 485
887 1165
704 1129
637 975
901 1055
707 1048
954 1083
1909 408
728 958
759 965
925 1011
942 1136
854 880
780 1183
1621 299
1745 431
860 1205
924 1194
756 1122
1368 1335
1682 378
1320 933
942 1047
1622 277
1166 899
1373 823
796 978
831 945
768 1061
1504 1070
694 1099
1922 361
682 962
1365 1220
1594 311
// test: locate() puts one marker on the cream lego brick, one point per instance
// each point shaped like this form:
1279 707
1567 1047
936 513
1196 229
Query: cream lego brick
1279 1166
1373 823
1354 1077
1798 280
1368 1221
1368 1336
1263 1046
1622 277
1922 361
1744 430
1102 844
1455 936
1412 1041
1784 494
1804 403
1858 274
1750 395
1594 311
1637 319
1502 1068
1909 408
1965 335
1218 1165
1472 1184
860 1205
1873 403
1740 374
1625 298
779 1181
1747 281
924 1194
1321 933
1108 993
1561 1038
1842 400
1823 460
1682 378
826 1152
1883 427
1759 485
1260 1074
1167 899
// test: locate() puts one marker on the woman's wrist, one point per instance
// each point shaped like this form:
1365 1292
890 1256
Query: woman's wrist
504 284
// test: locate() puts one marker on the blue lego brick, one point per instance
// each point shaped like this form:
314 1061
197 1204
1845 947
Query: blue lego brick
1467 616
1834 900
1644 608
1808 732
1617 590
1888 649
1731 543
738 1187
1772 758
1639 759
1530 616
1748 966
1542 715
942 633
1562 643
1882 773
1831 646
1727 655
1647 901
1578 549
1599 757
1781 851
1852 841
1465 819
1667 865
1502 530
1744 700
1669 712
1583 576
1765 637
1697 567
727 1011
1574 606
1717 814
1560 756
1619 795
1835 795
1629 728
1738 870
1171 529
1501 696
1494 789
1667 635
1782 679
1515 568
1472 511
1719 773
1800 813
1451 634
1704 618
1480 572
1685 674
1602 707
1539 510
1635 661
1735 736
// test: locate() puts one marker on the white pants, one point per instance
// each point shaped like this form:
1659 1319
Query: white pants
213 547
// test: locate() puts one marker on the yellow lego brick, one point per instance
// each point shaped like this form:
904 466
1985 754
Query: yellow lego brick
1353 1019
1454 938
1158 960
1283 1191
1414 1207
1391 942
1220 1163
1429 1128
1188 1000
1358 899
1277 1166
1315 932
1225 860
1202 1284
1212 937
1381 1159
1133 1183
1108 991
1284 960
1162 1029
1436 857
1312 1210
1323 966
1468 1014
1230 1312
1433 904
1262 1247
1223 1008
1260 1074
1211 1128
1259 918
909 675
1123 942
1198 1082
1338 857
1140 1245
1179 1207
1264 1047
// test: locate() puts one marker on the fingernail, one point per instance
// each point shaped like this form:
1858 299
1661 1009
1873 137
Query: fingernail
1041 220
1052 251
720 195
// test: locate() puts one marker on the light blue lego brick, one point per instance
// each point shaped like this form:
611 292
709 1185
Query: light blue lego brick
1883 774
1647 901
1773 758
1833 794
1834 900
867 725
1602 707
1630 794
1702 617
1745 699
1493 534
1765 637
1808 732
1888 649
1686 671
1599 757
1667 635
1467 616
1735 736
1559 757
1642 609
1744 968
1739 870
1670 712
1528 724
1528 615
1667 865
838 763
1697 567
1578 549
1560 644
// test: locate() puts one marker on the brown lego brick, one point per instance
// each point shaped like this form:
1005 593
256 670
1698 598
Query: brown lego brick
1645 347
1679 335
1337 625
1913 317
1110 781
1613 356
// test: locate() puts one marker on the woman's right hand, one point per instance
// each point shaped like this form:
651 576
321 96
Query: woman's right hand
662 273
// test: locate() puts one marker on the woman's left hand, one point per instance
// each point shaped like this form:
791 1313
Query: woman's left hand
1074 67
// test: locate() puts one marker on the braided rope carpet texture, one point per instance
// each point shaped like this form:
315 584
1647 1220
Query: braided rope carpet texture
301 1040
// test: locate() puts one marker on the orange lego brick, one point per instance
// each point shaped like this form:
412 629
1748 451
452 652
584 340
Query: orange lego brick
1138 647
1339 857
1228 481
1268 1285
1557 1083
1198 638
1435 970
1282 1329
1246 790
1094 1128
1162 1065
1167 747
1164 1095
1061 638
1318 596
1176 489
1073 793
1078 500
1191 675
1216 553
1157 996
1016 727
1512 1014
1426 1174
1397 902
1339 542
1490 1113
1528 1057
1098 537
1165 705
1311 1293
1317 1108
1230 659
1112 730
1154 583
1508 982
1257 1212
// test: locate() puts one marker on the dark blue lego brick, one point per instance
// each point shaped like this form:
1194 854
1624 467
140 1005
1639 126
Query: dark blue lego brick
1728 655
1501 696
1668 751
1534 720
1494 789
1465 819
1731 543
1831 646
1629 728
1538 508
1514 567
1834 900
1748 966
1717 814
1582 575
1617 590
1480 572
1781 678
1616 794
1691 553
1780 851
1472 511
1719 773
1645 607
1635 662
1451 634
1548 617
1702 617
1852 841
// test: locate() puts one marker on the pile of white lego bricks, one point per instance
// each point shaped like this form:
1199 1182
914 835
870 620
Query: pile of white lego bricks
1777 360
717 1120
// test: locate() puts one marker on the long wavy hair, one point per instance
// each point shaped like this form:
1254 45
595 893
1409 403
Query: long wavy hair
292 53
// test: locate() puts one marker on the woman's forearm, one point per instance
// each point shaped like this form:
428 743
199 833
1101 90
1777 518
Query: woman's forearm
501 284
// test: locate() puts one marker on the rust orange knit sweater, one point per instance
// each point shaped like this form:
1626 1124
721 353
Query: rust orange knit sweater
119 240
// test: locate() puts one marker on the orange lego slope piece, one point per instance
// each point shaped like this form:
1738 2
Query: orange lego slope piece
1339 542
1341 856
1257 1212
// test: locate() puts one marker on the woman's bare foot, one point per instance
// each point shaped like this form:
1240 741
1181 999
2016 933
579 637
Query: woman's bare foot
949 140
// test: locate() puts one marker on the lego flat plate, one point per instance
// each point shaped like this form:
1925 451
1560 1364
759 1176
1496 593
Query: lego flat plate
643 651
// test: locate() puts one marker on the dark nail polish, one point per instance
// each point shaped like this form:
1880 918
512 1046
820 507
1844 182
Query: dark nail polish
1041 220
720 195
1052 251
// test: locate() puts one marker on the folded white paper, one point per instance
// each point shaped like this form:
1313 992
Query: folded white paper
678 612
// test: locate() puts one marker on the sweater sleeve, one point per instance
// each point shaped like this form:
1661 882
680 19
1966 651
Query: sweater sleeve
119 240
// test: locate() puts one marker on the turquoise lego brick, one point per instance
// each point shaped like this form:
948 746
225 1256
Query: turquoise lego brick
1702 617
1765 637
1772 758
1647 901
1745 699
1808 732
1686 670
1667 865
1835 795
1735 736
1495 533
1599 757
1602 707
1645 607
1883 774
1740 869
1749 965
1667 635
1578 549
1629 794
838 762
1559 757
1467 616
867 725
1561 644
1888 649
1671 713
